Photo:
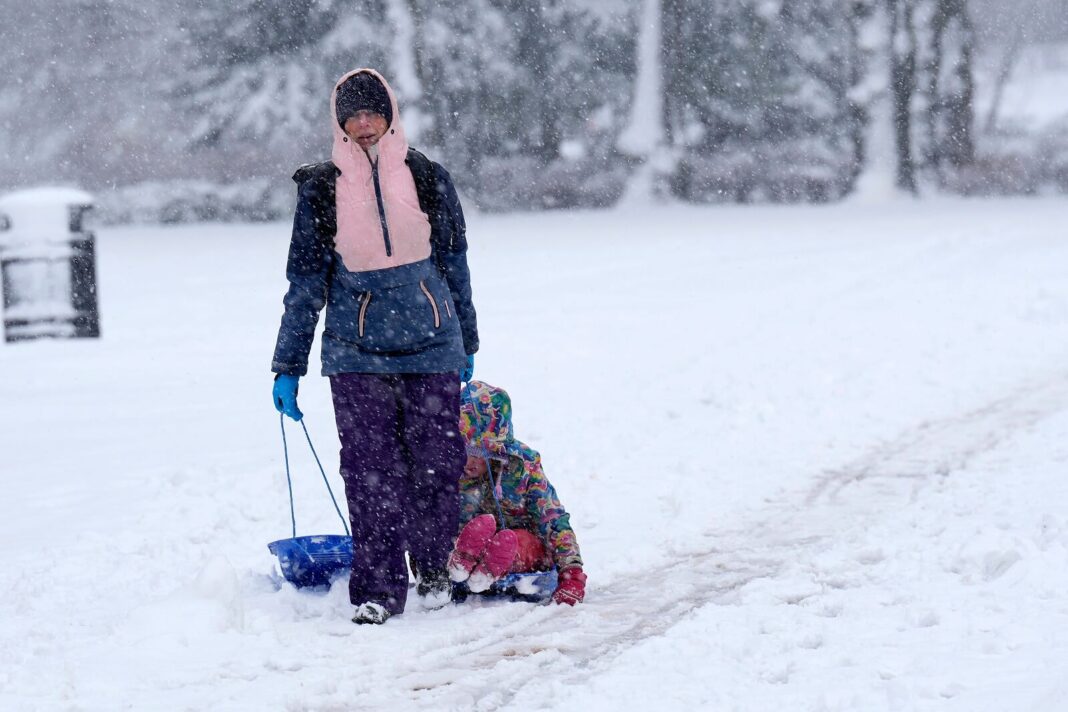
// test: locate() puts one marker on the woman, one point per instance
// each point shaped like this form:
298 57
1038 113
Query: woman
379 239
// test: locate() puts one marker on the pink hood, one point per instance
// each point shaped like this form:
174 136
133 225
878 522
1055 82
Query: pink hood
360 240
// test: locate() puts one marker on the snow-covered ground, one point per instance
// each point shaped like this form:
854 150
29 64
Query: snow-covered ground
815 458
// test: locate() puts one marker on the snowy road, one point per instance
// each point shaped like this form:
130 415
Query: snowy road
815 458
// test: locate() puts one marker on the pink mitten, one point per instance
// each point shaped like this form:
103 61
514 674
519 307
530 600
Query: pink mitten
496 562
470 546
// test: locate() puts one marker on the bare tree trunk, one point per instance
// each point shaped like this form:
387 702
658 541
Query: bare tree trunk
431 133
859 116
644 132
961 111
404 65
644 135
536 49
903 87
1008 63
951 87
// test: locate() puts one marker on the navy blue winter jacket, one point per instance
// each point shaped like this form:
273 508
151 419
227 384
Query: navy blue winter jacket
416 318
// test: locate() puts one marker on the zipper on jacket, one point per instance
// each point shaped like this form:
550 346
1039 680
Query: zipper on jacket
381 207
363 311
433 304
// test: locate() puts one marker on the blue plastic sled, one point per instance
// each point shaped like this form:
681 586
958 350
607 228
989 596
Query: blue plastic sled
313 560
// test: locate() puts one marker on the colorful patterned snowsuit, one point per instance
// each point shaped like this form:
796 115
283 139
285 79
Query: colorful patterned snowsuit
528 501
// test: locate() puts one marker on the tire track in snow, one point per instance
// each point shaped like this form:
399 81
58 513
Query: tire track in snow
488 671
938 448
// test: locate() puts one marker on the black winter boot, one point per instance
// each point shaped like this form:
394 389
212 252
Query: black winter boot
372 613
434 589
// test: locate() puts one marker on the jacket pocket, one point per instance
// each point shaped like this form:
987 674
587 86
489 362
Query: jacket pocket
364 303
394 320
437 291
433 304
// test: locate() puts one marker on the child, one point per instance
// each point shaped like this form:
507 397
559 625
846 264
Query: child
536 531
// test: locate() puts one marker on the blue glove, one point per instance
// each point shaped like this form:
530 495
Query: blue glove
468 371
285 396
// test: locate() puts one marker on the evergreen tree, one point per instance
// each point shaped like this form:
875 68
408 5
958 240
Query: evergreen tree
525 102
759 94
72 99
468 76
508 95
257 76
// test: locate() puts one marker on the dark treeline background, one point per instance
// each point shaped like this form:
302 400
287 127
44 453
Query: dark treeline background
191 110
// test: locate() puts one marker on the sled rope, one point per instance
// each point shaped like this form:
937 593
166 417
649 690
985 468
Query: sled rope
495 487
289 478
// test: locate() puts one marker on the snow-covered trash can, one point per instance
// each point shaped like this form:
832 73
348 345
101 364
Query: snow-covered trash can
48 265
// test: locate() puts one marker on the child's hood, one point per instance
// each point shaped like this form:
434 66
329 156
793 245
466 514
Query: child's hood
486 422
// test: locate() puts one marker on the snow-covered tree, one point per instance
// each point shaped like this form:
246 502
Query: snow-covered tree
257 74
526 88
552 103
71 96
759 93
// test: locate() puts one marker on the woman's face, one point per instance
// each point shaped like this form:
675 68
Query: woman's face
365 128
475 466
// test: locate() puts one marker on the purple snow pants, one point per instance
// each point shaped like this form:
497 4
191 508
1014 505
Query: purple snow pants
401 459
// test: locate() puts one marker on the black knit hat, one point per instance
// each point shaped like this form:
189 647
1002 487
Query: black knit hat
362 92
